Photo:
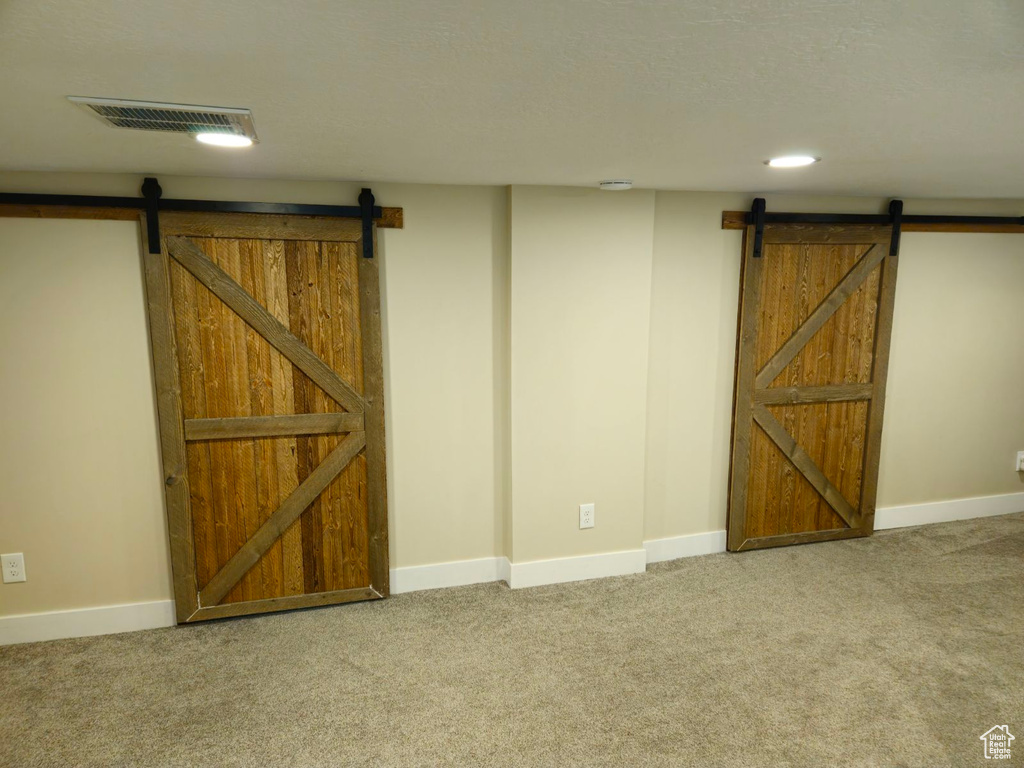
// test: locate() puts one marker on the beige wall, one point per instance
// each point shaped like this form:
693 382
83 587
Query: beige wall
446 302
80 485
80 490
954 417
954 413
544 347
581 291
694 291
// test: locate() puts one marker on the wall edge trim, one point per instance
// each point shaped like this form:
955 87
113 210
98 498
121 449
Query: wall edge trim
86 622
454 573
536 573
690 545
907 515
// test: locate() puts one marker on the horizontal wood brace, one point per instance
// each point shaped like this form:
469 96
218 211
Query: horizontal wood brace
42 206
834 393
808 537
273 426
288 602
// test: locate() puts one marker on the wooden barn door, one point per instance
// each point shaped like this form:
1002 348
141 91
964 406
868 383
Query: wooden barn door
267 353
815 320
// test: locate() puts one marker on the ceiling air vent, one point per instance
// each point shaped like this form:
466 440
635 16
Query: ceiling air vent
176 118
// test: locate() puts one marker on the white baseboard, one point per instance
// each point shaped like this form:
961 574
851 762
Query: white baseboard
948 511
457 573
560 570
84 622
676 547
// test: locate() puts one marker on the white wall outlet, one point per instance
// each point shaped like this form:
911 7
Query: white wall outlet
587 515
1020 461
14 567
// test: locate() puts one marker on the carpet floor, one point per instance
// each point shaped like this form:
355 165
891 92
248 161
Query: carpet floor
900 649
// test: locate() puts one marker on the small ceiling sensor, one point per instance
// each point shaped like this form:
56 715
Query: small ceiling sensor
615 185
792 161
223 139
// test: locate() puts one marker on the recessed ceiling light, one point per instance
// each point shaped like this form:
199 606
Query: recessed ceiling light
224 139
792 161
615 185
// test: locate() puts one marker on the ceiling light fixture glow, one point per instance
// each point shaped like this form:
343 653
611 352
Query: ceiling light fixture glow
224 139
792 161
616 185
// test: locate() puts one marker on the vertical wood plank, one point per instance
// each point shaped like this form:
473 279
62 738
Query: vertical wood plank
284 403
373 394
842 257
779 514
172 431
742 400
762 452
805 429
324 320
192 377
351 509
243 451
261 398
880 373
299 257
221 511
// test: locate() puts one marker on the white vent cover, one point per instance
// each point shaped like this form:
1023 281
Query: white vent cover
177 118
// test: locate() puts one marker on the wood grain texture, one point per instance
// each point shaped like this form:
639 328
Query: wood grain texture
248 309
827 394
279 499
806 466
373 388
261 472
873 446
172 439
799 339
252 226
287 603
260 540
282 384
272 426
742 455
191 368
808 537
820 323
391 218
9 210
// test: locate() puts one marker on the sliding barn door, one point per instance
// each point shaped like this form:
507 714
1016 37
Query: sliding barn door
267 353
815 320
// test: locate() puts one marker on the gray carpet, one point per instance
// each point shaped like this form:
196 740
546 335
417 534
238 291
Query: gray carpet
901 649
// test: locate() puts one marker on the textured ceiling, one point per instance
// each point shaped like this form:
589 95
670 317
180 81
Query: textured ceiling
916 97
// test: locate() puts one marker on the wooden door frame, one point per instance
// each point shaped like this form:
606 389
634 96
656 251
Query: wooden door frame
751 393
367 410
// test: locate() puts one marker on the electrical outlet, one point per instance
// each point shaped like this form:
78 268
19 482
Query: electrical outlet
1020 461
587 515
14 567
